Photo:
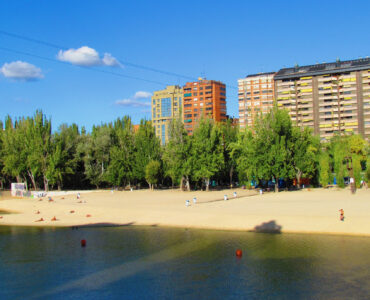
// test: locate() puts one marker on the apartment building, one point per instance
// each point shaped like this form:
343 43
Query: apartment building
166 104
255 95
203 97
329 97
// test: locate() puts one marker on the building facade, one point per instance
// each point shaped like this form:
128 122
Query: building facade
203 98
255 95
166 105
330 98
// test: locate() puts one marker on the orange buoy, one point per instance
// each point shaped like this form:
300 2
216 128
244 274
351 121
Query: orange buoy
88 216
54 218
1 217
83 243
239 253
72 211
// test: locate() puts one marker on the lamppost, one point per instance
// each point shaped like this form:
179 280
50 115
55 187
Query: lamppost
349 164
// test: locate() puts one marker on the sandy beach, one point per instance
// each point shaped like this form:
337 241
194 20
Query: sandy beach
306 211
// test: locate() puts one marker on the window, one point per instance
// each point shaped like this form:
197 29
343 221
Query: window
163 134
209 87
188 115
187 105
222 94
166 107
195 94
209 92
201 93
223 89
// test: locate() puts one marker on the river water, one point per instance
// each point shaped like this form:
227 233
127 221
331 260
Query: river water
169 263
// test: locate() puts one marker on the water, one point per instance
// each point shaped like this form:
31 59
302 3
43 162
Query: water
163 263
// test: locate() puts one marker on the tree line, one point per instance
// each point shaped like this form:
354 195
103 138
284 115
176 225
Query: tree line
116 155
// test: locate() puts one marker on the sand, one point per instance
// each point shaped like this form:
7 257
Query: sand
306 211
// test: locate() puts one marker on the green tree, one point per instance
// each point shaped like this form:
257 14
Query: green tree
38 140
273 133
2 174
243 153
304 152
176 154
229 135
14 155
122 155
96 150
324 169
147 148
152 173
207 151
62 159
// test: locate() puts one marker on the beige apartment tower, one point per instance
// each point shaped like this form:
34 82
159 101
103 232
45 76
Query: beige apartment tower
330 98
166 105
256 96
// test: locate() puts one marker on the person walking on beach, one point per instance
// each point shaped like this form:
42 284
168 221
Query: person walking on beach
341 214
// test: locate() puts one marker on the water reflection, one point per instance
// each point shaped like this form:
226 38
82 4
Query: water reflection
157 263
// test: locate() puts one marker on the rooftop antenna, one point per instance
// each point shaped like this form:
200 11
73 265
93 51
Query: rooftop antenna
337 62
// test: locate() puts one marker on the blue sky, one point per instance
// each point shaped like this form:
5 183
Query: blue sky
223 40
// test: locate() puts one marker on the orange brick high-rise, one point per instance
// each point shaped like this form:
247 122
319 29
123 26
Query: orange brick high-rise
203 97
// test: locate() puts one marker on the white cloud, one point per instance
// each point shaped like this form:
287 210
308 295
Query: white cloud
135 101
142 95
132 102
110 61
20 70
87 57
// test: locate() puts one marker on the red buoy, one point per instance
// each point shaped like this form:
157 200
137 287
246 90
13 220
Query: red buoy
239 253
83 243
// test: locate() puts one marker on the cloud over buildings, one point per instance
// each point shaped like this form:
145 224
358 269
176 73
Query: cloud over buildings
136 100
87 57
20 70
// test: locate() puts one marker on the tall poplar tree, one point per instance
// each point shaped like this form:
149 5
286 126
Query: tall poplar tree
273 132
207 151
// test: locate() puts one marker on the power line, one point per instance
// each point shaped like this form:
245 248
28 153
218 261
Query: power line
65 48
127 63
86 68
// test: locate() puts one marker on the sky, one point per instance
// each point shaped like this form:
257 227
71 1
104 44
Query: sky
91 62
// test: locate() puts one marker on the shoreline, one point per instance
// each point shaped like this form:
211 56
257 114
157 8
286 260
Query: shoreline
298 212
